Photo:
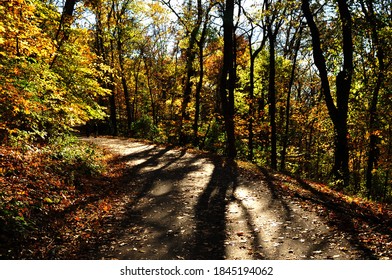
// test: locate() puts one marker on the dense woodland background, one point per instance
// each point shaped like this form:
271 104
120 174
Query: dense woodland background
301 86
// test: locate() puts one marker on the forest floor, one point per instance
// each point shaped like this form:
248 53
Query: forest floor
163 202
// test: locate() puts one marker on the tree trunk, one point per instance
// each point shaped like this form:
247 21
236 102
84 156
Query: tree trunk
272 33
136 91
337 113
343 86
374 140
272 95
104 52
66 18
199 87
190 72
251 100
125 86
253 56
113 109
197 99
151 92
227 82
288 99
65 23
341 167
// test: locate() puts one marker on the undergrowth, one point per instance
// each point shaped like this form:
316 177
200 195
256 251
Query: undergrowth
37 181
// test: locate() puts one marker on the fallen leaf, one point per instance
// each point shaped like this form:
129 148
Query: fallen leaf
48 200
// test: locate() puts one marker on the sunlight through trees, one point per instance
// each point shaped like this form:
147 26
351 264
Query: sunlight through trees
299 86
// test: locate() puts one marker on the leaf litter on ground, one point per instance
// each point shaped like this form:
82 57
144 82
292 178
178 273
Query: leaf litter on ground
47 214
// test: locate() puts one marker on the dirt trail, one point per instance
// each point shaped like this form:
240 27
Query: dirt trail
181 205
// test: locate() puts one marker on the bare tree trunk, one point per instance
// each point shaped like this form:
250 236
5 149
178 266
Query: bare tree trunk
374 140
199 88
288 99
104 52
227 82
201 69
190 71
253 56
272 95
339 112
65 23
113 108
125 86
112 98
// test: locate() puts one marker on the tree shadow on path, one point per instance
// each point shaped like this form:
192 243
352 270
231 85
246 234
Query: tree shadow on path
151 194
346 217
210 211
175 205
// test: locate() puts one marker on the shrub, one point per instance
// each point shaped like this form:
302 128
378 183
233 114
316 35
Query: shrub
75 156
145 128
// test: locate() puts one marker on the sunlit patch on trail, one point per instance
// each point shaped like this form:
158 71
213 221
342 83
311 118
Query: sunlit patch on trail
162 188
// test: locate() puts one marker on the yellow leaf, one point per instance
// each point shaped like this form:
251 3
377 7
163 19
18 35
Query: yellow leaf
48 200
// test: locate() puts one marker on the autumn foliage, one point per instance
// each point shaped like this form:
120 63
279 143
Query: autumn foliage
253 81
40 99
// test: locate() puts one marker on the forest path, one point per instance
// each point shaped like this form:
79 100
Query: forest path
175 204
